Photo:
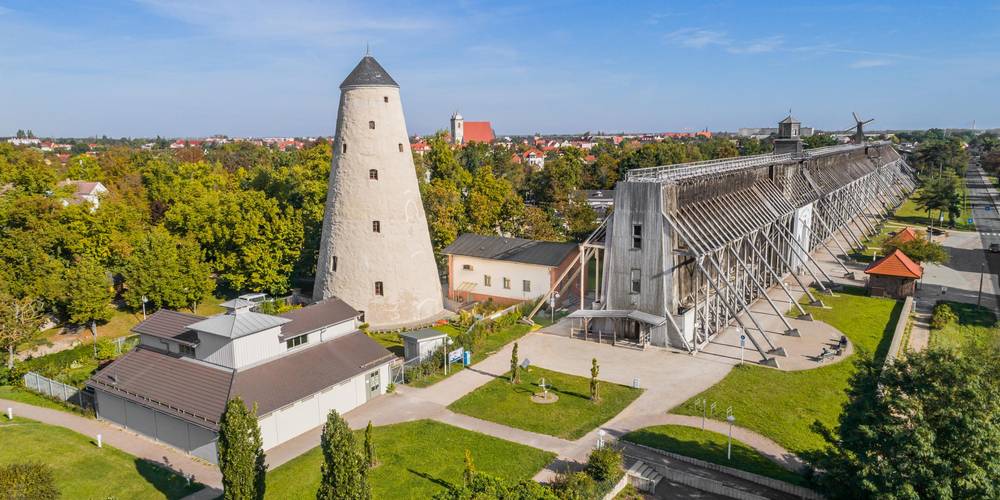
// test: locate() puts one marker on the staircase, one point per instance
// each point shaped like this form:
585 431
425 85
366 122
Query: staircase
643 477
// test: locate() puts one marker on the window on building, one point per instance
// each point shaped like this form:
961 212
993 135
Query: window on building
343 147
376 226
378 288
506 283
636 276
466 267
526 285
385 99
361 316
401 147
297 341
487 280
333 263
371 124
187 350
373 174
636 235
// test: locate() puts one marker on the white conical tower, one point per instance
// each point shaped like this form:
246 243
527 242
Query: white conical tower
375 252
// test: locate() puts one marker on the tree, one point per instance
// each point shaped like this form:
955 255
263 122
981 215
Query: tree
470 469
24 481
492 205
441 162
991 161
819 141
20 319
594 370
84 168
928 427
604 463
941 193
445 211
919 250
241 453
344 474
370 459
88 295
515 368
168 271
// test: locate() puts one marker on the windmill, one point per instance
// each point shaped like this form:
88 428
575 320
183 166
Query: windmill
859 131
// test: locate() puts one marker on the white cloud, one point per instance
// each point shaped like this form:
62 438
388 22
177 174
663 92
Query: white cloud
698 38
870 63
5 10
759 46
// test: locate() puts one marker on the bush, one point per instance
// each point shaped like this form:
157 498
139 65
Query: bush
576 486
33 481
942 316
106 349
13 376
605 464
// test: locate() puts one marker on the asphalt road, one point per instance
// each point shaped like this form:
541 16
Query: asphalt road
985 213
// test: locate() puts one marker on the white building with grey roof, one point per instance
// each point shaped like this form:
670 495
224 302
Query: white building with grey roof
295 367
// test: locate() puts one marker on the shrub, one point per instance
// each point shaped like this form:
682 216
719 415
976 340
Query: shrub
942 316
605 464
13 376
106 349
33 481
575 486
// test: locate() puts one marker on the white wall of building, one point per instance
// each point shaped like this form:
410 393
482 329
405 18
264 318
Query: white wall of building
310 412
215 349
517 272
252 349
339 330
801 230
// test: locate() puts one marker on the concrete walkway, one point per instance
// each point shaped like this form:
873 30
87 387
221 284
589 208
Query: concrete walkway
129 442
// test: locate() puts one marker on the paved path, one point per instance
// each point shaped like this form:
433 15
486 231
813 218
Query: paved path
129 442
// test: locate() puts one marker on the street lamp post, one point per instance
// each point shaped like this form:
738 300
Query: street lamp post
982 270
730 418
144 300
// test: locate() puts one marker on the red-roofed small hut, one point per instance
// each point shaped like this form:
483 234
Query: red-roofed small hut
894 275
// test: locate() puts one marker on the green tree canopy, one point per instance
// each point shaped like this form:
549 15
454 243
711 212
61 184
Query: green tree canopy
88 293
344 472
167 270
241 453
942 193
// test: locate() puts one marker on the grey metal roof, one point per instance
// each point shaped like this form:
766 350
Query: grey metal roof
290 378
368 73
315 316
188 389
649 319
237 303
545 253
171 325
238 324
423 334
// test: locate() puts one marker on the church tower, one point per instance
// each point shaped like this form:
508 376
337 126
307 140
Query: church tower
457 128
375 252
788 139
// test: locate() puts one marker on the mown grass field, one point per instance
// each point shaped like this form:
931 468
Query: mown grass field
976 328
909 213
784 405
415 459
81 469
573 416
710 447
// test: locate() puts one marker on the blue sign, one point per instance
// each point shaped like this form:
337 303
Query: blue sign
743 340
970 220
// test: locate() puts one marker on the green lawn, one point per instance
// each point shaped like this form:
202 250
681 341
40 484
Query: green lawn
491 345
23 395
783 405
908 213
570 418
415 458
710 447
976 328
81 469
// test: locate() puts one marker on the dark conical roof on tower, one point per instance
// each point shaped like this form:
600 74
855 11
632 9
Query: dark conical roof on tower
368 72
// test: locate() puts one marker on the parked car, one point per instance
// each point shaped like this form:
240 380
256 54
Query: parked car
994 247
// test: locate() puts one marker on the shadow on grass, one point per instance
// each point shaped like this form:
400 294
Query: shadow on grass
172 483
553 388
972 315
436 480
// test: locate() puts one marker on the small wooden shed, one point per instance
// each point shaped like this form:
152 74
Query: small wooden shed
894 275
422 343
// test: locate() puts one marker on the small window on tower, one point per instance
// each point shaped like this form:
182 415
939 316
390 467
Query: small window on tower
636 276
373 174
636 235
401 147
385 99
343 147
333 263
378 288
371 125
376 226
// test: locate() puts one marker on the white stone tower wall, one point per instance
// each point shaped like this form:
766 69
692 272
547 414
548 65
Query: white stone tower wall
400 256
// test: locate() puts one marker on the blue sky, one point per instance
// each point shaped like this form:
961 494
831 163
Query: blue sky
247 67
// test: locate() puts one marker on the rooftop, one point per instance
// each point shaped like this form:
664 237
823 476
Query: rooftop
171 325
423 334
543 253
368 73
238 323
896 264
315 316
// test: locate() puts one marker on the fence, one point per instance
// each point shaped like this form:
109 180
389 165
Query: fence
59 390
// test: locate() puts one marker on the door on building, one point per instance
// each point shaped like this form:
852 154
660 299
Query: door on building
373 381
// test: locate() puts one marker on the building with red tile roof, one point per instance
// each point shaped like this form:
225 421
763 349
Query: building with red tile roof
905 236
894 275
465 132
